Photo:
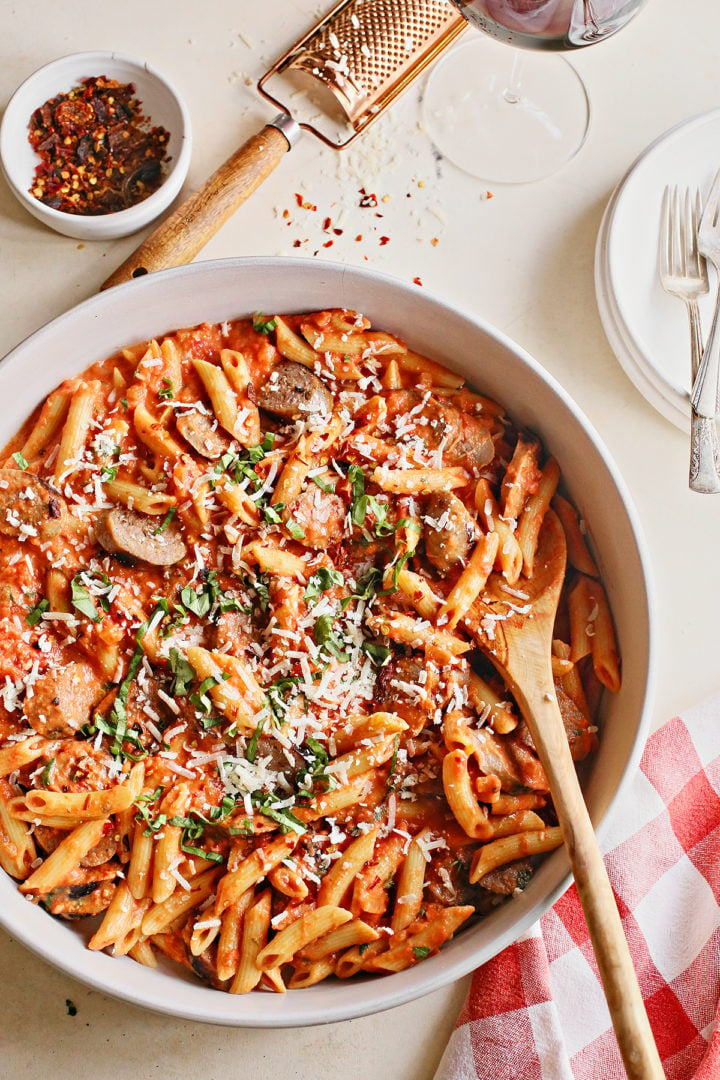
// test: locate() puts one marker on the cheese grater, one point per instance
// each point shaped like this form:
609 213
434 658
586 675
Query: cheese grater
364 53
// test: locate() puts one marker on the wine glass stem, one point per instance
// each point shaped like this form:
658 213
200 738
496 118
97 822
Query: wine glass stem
511 93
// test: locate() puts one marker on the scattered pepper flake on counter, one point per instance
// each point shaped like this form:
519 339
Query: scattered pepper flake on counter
367 199
71 1007
417 281
98 153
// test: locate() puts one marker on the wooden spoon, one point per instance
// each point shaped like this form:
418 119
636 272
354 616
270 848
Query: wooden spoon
516 634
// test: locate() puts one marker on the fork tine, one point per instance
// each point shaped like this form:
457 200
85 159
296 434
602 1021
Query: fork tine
676 245
685 231
664 233
695 225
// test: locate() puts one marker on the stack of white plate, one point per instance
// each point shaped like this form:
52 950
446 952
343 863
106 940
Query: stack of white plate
648 329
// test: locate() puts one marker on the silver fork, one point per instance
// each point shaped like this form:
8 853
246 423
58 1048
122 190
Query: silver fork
683 273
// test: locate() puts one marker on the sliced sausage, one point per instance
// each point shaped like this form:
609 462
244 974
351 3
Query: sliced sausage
320 516
473 448
582 741
450 530
78 901
202 433
138 535
104 850
506 879
464 439
294 392
523 474
279 759
403 690
62 699
78 766
29 508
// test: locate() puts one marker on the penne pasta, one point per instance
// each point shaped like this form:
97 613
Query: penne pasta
246 723
419 481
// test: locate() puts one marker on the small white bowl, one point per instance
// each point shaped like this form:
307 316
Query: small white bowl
160 102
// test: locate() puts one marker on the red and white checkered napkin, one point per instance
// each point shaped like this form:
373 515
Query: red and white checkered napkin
537 1011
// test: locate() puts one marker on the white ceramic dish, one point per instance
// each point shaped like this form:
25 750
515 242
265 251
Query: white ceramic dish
647 328
214 291
160 101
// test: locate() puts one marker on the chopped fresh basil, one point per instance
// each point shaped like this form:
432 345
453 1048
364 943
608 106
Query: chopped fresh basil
323 579
295 529
201 700
379 654
326 487
108 473
35 614
287 821
272 514
199 602
275 697
421 951
251 751
45 774
263 325
165 521
193 829
359 500
143 815
261 586
81 599
183 671
166 393
314 771
207 723
20 461
325 635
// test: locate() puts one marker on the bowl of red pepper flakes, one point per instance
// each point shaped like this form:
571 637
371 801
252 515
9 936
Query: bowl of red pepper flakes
96 145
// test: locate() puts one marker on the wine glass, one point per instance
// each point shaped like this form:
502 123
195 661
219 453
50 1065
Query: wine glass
513 119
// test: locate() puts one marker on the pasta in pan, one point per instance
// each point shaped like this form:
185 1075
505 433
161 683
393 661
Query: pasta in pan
243 716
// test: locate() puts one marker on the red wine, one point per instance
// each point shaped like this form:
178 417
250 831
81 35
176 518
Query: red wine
549 24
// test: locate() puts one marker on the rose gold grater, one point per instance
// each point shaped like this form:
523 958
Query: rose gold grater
366 52
361 56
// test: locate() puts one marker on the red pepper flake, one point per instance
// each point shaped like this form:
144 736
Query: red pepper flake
417 281
358 238
328 243
98 153
303 203
297 243
327 223
384 240
367 198
286 213
434 241
338 232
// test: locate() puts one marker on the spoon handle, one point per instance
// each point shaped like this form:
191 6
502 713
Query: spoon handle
627 1010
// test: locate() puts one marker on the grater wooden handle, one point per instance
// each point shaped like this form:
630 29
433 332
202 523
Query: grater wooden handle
179 238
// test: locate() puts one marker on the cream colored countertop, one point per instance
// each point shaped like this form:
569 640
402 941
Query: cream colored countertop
523 260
